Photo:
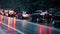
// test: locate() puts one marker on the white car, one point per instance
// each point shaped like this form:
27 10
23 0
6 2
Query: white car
25 14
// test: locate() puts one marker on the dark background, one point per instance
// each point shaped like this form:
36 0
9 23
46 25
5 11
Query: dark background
31 5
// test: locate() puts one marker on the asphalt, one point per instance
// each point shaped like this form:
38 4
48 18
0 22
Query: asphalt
2 31
26 27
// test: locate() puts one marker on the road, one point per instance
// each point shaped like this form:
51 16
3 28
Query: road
25 27
2 31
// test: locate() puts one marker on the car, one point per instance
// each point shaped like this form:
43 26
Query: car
56 20
10 13
40 16
24 14
47 17
36 16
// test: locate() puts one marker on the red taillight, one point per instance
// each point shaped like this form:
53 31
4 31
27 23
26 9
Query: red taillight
14 12
50 14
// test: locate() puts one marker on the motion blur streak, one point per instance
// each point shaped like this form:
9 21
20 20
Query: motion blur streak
44 30
13 28
9 24
4 19
50 30
14 25
0 21
40 29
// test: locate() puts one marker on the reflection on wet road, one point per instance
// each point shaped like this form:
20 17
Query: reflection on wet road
26 27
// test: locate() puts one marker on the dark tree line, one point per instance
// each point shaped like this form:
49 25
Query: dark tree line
31 5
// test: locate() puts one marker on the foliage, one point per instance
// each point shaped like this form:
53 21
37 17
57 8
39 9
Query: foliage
31 5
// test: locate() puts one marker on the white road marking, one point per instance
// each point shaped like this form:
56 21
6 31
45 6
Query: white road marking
13 28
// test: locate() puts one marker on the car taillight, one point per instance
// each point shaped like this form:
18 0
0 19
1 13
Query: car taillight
50 14
14 12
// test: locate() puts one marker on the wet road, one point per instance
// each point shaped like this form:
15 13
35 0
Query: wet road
2 31
26 27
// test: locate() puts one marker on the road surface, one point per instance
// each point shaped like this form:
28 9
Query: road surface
26 27
2 31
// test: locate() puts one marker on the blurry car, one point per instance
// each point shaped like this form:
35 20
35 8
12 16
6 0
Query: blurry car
47 17
56 20
36 16
40 16
10 13
24 14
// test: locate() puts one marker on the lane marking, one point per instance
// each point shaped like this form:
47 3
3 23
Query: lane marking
13 28
39 25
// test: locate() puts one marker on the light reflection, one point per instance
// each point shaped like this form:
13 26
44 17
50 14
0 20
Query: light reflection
9 24
24 23
50 30
14 25
40 29
45 31
0 21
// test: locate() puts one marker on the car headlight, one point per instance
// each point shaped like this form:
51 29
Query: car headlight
25 15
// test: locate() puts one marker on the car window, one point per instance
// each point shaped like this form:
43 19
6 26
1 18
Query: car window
37 12
24 12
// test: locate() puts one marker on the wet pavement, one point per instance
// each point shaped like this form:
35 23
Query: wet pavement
26 27
2 31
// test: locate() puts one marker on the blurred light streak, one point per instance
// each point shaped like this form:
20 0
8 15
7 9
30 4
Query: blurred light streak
9 24
14 29
40 29
24 22
14 25
50 30
0 21
44 30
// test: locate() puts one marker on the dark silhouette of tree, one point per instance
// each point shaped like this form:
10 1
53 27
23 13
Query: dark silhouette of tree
31 5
